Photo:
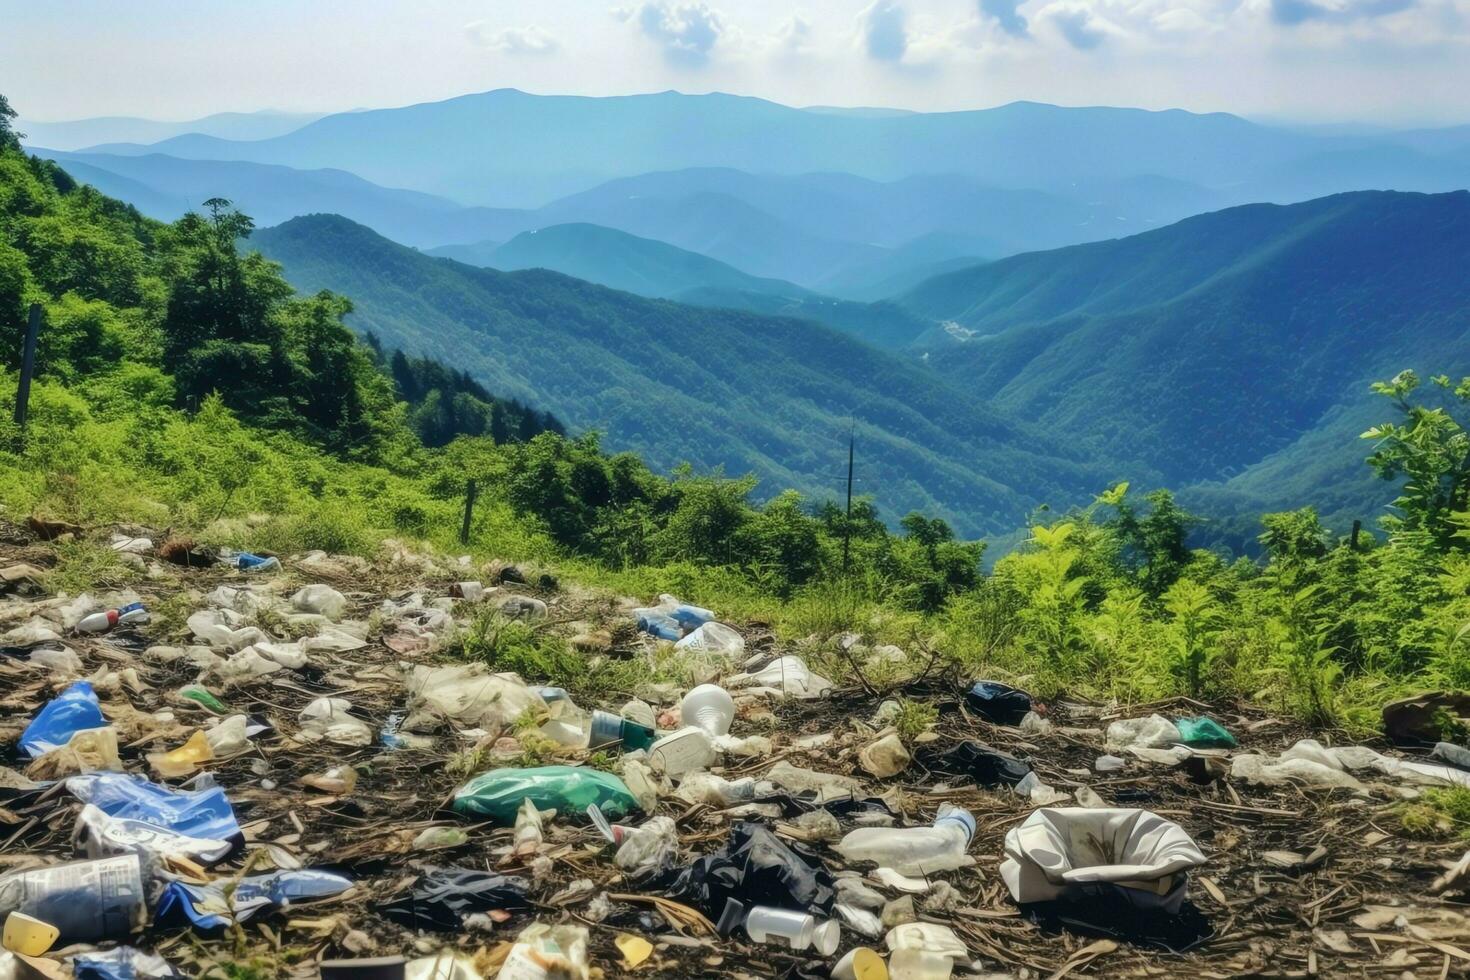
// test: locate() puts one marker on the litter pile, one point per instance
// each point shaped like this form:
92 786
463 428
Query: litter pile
295 765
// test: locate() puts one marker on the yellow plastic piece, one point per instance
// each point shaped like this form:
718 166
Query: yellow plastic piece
868 965
635 949
184 759
27 935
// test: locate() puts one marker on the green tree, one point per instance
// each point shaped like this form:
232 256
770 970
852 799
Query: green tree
1430 450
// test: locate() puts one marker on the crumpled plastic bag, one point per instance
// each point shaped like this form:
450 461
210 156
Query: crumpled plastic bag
1060 853
974 760
1153 732
786 677
543 950
73 710
1259 770
713 639
1354 757
222 628
320 599
89 750
121 963
330 719
439 899
467 695
97 836
755 867
204 812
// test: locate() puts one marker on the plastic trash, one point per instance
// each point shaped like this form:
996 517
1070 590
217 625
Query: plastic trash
100 622
121 963
183 760
998 703
74 709
468 591
1109 854
1153 732
1353 757
529 832
606 730
658 624
203 813
467 695
499 793
209 907
754 867
247 562
224 630
28 935
710 707
686 615
97 836
89 750
547 952
715 640
860 963
923 951
1258 770
84 900
440 838
796 930
651 847
988 767
440 899
915 850
320 599
1452 755
330 720
687 750
1109 763
1204 733
717 791
200 695
338 780
886 757
635 949
785 676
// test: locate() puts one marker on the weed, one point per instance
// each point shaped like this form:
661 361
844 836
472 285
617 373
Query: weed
1439 813
83 566
914 718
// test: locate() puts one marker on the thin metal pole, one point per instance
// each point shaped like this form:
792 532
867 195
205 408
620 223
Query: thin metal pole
847 524
27 368
469 510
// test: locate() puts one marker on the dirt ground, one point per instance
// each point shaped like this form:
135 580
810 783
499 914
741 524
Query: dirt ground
1296 882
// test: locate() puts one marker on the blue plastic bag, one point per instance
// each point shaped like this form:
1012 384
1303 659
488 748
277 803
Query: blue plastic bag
206 908
73 710
195 813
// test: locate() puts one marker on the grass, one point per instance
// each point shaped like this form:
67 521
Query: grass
914 718
1438 814
85 566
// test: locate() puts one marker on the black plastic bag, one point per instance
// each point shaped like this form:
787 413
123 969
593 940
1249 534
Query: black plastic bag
998 703
979 762
755 867
441 898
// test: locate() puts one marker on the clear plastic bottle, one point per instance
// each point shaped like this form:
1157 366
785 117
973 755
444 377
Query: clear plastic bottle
101 622
914 850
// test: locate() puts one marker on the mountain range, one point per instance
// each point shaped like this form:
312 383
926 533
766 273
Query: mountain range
748 393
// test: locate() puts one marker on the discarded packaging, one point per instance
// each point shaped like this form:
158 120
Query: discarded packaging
499 793
915 850
796 930
83 900
998 703
74 709
440 899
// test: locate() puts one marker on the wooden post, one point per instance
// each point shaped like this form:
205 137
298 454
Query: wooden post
847 524
27 368
469 510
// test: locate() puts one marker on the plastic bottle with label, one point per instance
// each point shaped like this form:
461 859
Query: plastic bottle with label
84 900
101 622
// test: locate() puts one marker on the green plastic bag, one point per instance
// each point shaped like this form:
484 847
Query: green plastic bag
568 790
1204 733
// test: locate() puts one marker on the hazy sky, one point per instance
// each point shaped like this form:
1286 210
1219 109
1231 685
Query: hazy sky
1388 61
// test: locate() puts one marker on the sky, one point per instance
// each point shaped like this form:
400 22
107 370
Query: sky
1386 62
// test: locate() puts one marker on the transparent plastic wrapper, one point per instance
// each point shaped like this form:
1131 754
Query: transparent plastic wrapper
547 952
1153 732
85 900
73 710
330 720
1258 770
467 695
1204 733
529 831
223 629
686 615
320 599
714 639
89 750
499 793
97 836
1066 852
915 850
121 963
183 760
923 951
1355 757
651 847
786 676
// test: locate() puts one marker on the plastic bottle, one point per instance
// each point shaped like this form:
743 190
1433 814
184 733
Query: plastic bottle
687 616
683 751
709 707
101 622
798 930
656 622
499 793
914 850
84 900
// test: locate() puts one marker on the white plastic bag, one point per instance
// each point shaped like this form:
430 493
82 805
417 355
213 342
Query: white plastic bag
1153 732
328 719
320 599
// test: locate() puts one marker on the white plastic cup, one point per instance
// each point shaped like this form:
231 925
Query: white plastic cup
710 707
786 927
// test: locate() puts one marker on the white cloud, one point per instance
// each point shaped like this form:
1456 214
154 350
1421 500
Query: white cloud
686 32
530 40
1077 25
884 31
